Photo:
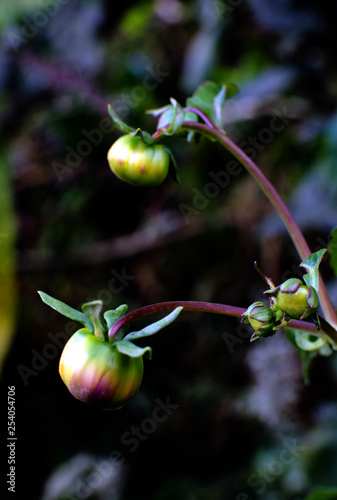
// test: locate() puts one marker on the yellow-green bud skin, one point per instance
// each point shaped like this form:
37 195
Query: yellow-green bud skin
256 324
96 373
296 299
261 319
138 163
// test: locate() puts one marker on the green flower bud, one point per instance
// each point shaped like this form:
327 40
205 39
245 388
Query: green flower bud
261 318
296 300
95 372
138 163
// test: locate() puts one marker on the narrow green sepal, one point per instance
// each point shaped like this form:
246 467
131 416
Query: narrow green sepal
190 116
66 310
114 315
164 115
313 299
144 136
170 118
159 111
316 321
272 291
132 350
290 286
173 169
155 327
93 311
118 122
177 118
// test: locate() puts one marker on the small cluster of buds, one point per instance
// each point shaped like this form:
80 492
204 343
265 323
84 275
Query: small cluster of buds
288 301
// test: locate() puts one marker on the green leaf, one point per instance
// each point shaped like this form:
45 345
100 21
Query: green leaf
332 249
118 122
155 327
210 98
309 346
307 341
323 494
66 310
132 350
311 264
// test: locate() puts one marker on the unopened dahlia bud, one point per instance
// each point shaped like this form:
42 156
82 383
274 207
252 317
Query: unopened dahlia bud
296 300
138 163
95 372
261 318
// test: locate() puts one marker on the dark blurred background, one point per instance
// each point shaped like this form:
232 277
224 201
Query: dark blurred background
237 421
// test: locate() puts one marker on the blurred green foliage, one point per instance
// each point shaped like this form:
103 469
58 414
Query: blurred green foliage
7 259
84 235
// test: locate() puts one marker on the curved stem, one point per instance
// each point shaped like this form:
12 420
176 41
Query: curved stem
170 306
211 308
201 114
273 196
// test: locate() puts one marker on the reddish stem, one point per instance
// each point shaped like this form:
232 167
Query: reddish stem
201 307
